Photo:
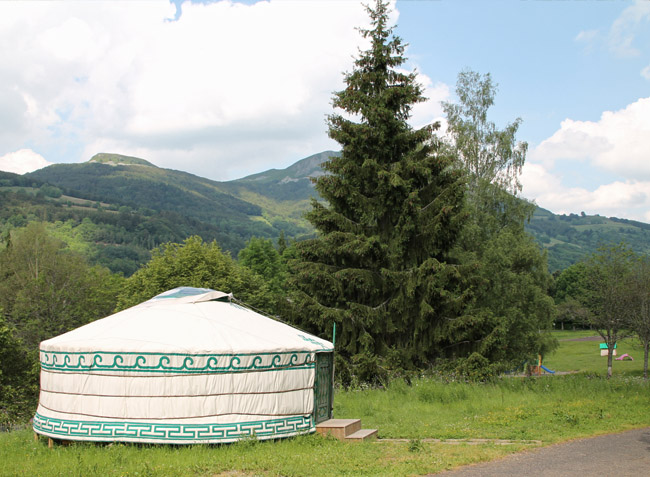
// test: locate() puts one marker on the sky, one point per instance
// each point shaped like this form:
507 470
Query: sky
224 89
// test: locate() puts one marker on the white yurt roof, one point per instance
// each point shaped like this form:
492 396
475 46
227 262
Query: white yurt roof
187 320
188 366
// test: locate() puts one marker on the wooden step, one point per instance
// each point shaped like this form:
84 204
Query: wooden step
363 435
339 428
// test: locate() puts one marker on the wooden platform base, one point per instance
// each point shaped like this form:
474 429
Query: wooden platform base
346 429
51 442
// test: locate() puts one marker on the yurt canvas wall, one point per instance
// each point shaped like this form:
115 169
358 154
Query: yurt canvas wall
189 366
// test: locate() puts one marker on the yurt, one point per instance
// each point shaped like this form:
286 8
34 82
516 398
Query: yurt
188 366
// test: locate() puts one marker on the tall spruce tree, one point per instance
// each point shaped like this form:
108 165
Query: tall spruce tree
379 266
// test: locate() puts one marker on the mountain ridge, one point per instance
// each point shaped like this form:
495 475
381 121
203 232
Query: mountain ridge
274 201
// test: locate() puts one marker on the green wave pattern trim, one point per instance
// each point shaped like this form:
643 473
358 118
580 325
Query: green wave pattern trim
184 433
173 363
313 341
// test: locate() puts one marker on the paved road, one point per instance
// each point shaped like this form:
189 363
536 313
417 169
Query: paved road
617 455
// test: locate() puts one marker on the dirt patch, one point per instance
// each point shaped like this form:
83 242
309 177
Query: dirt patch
585 338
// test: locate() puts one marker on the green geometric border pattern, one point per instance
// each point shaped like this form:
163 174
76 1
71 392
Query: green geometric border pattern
174 363
147 431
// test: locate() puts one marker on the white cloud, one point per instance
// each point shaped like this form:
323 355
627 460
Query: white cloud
617 145
431 110
22 161
623 32
629 199
588 39
224 82
586 35
619 142
645 72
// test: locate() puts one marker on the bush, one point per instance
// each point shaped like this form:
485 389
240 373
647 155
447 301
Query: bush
476 368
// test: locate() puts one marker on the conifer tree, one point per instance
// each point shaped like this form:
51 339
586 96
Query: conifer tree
379 266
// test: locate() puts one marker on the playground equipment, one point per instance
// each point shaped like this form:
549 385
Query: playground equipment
624 357
604 351
539 368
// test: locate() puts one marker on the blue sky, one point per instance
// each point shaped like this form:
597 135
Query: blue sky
531 48
225 89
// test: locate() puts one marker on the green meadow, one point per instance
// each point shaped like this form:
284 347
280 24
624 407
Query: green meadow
584 356
527 412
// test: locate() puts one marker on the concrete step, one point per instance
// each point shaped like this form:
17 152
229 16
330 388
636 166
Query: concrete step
362 435
339 428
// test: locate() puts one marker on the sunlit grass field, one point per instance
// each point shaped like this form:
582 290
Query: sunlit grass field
527 411
584 356
310 455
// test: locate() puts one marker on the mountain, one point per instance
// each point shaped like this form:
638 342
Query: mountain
570 238
290 184
126 205
115 236
283 194
116 208
139 184
261 204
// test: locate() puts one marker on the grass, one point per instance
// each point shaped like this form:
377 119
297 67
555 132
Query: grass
584 356
305 455
548 409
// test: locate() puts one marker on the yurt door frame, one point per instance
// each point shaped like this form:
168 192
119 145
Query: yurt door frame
323 387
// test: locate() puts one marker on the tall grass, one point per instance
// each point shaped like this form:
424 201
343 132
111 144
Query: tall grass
301 456
550 408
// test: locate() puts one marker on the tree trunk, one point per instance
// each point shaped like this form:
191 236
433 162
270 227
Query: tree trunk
645 359
610 356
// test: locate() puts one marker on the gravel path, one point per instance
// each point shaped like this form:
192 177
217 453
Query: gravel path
617 455
584 338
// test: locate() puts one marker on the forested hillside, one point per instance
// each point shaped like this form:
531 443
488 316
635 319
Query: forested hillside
128 206
115 208
144 186
283 194
570 238
117 237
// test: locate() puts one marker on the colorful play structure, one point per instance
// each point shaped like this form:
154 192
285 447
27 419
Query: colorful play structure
537 369
604 351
